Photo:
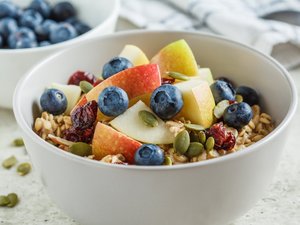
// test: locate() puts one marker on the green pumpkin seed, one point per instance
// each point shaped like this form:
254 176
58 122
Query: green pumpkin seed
13 200
18 142
4 201
9 162
148 118
210 143
81 149
194 149
23 169
196 127
202 137
239 98
194 136
168 161
178 76
182 142
85 86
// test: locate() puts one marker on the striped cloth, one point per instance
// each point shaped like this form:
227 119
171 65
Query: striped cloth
240 20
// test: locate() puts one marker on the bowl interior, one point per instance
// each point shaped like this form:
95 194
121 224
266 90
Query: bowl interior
239 63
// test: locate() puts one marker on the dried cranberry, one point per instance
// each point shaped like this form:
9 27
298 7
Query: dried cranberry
83 117
223 139
97 82
76 135
80 76
167 80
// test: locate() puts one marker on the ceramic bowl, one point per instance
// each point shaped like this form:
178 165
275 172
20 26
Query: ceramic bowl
100 15
211 192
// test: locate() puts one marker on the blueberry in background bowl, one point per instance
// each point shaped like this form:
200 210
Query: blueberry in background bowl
209 186
15 62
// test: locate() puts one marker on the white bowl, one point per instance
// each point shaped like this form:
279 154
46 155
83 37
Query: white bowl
209 192
100 15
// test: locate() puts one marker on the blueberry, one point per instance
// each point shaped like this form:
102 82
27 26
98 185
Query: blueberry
166 101
8 26
63 10
80 26
30 18
222 90
1 41
237 115
114 66
249 95
149 155
113 101
41 6
62 32
42 31
8 9
22 38
44 43
53 101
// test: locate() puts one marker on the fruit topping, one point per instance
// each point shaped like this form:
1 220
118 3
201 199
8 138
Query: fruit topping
222 90
81 76
166 101
53 101
150 155
223 139
249 95
237 115
113 101
115 65
84 117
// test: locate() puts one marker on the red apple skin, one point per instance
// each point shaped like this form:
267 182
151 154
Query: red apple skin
108 141
134 81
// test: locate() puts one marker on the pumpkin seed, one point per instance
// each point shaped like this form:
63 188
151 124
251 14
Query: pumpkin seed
13 199
4 201
81 149
148 118
9 162
85 86
194 136
196 127
220 108
194 149
182 142
178 76
18 142
202 137
168 161
239 98
210 143
23 169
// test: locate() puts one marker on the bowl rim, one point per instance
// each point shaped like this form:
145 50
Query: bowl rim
95 163
114 13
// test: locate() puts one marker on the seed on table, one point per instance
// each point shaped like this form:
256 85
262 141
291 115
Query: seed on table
18 142
182 142
23 169
4 201
148 118
13 200
81 149
210 143
9 162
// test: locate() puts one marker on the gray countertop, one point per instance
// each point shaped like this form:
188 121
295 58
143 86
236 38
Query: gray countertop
280 205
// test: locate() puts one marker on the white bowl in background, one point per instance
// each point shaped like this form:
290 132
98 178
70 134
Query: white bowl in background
211 192
100 15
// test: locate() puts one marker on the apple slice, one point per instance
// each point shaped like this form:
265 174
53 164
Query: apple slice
176 57
134 81
72 93
131 124
205 74
108 141
198 102
135 55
